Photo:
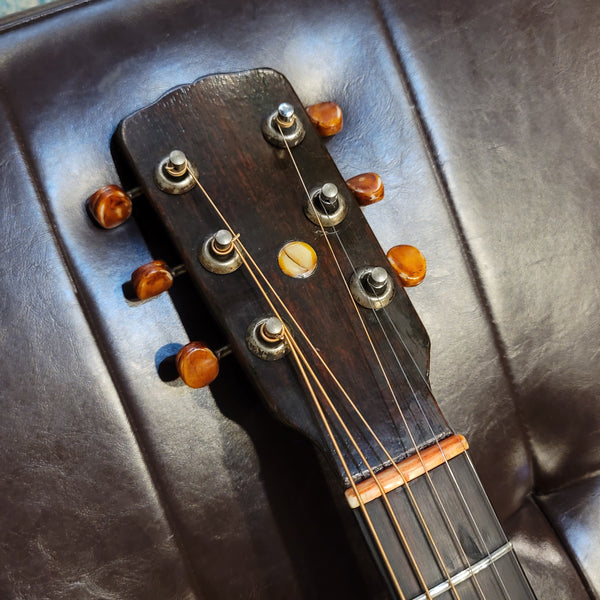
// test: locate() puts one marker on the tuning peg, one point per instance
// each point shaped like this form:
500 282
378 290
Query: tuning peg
326 117
408 263
197 364
366 188
110 206
154 278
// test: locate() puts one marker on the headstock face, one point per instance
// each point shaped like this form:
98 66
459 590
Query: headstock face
217 122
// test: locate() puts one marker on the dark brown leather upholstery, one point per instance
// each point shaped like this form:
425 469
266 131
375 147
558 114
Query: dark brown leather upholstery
481 117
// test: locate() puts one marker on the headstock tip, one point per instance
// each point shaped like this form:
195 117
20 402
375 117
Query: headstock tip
197 365
151 279
408 263
110 206
367 188
326 117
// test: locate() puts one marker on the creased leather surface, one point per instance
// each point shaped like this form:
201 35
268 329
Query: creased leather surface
80 517
481 173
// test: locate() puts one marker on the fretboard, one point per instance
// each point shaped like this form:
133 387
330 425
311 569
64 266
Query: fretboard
450 545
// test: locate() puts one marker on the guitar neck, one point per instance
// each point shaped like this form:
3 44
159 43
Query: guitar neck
461 553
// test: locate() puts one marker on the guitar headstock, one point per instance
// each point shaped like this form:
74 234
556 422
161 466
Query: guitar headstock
276 244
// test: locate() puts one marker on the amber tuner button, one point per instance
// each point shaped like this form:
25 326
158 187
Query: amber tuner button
151 279
326 117
367 188
197 364
110 206
408 263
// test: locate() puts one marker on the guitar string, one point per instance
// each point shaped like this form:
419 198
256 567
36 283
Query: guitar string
455 483
390 458
382 491
446 462
363 508
362 456
428 477
241 251
412 498
406 484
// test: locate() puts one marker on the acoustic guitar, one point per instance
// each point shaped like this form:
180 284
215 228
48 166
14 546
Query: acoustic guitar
275 242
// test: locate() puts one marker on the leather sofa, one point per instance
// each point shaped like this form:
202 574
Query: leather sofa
480 117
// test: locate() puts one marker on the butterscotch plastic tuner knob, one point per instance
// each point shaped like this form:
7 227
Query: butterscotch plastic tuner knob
409 264
151 279
197 364
110 206
366 188
326 117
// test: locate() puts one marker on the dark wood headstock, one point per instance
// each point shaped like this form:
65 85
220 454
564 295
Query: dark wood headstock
218 124
277 246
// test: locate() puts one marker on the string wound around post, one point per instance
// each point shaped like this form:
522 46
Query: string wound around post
283 127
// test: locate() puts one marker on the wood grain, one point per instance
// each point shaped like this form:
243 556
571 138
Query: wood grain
217 123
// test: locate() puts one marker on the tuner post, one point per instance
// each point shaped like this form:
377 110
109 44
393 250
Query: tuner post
265 338
175 174
372 287
218 253
326 207
283 127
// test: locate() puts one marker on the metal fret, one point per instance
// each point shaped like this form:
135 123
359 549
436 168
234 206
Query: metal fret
467 573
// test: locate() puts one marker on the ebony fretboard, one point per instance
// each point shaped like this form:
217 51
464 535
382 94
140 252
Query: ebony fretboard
471 547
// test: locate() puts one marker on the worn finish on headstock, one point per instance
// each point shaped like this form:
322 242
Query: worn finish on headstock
217 123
